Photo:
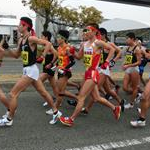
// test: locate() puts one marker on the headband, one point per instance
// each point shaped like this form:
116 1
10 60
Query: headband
28 25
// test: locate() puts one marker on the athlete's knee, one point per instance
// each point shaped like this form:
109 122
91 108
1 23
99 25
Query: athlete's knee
80 98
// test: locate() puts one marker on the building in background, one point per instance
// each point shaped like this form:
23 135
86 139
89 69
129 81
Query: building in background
118 28
8 28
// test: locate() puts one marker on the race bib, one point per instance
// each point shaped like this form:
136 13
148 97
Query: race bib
24 56
128 59
88 60
60 61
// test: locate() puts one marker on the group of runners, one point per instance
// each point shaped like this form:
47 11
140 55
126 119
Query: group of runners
99 57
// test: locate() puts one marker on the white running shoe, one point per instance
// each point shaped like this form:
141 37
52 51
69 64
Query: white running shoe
6 115
55 117
128 106
138 123
5 122
139 110
138 98
49 112
45 104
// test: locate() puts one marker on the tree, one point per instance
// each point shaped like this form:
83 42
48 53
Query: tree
52 11
89 15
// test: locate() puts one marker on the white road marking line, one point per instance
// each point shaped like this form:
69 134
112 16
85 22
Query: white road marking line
113 145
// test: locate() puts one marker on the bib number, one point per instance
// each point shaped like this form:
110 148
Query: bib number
60 61
25 58
128 59
87 60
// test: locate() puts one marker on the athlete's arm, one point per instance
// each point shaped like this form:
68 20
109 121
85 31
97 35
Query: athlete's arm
72 60
55 54
79 55
117 50
15 53
146 54
111 50
47 44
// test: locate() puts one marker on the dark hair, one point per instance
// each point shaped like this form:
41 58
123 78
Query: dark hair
28 21
139 38
103 31
131 35
64 33
47 34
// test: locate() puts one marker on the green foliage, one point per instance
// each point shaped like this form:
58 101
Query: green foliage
53 12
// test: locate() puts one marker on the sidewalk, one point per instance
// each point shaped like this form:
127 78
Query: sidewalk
9 78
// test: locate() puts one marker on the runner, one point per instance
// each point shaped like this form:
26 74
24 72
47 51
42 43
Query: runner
144 60
91 51
48 63
145 102
105 73
130 66
65 62
27 50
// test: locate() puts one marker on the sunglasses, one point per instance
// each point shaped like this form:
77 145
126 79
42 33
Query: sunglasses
86 30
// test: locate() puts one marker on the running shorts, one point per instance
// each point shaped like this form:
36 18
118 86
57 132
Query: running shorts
92 74
31 71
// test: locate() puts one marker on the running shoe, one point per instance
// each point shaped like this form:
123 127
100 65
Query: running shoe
138 123
72 102
45 104
6 114
66 121
55 117
5 122
138 98
139 110
107 96
49 112
117 112
84 111
128 106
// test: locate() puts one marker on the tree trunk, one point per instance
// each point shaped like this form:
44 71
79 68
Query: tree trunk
47 21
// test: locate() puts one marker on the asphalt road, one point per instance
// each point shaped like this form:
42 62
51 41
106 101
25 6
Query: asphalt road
14 66
31 130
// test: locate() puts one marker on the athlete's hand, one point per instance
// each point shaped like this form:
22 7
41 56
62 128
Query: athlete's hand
72 50
105 65
124 67
50 65
112 63
39 60
60 71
